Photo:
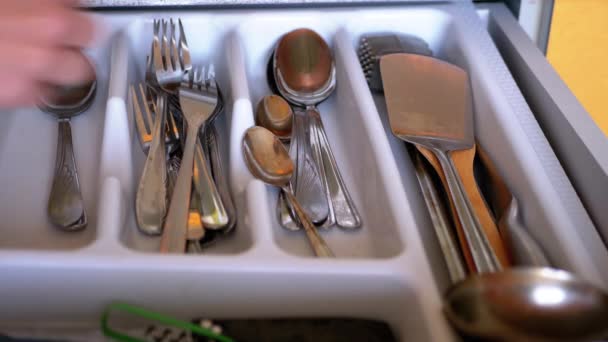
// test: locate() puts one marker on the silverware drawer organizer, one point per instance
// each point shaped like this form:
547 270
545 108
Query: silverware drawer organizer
389 270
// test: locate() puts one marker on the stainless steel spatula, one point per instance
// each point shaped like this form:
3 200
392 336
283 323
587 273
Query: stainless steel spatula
429 104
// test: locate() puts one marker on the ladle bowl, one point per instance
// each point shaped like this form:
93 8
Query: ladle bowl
528 304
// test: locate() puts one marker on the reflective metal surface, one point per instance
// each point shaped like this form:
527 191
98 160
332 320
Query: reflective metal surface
199 104
304 73
275 114
269 161
536 304
66 208
412 84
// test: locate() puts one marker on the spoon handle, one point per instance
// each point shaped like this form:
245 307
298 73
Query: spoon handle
316 241
345 211
176 225
66 207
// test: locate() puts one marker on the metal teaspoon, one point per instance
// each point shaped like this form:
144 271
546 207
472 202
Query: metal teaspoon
268 160
275 114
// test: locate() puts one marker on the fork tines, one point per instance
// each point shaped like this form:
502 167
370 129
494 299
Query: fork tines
170 54
142 114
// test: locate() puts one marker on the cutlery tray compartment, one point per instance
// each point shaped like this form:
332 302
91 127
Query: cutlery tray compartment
28 144
390 269
207 48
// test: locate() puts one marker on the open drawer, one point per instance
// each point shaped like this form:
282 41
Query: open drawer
580 145
391 270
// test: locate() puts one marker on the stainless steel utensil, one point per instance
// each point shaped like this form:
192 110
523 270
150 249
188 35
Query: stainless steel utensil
412 84
307 185
525 250
166 69
144 120
447 242
268 160
305 75
535 304
217 167
195 231
375 45
199 103
151 198
275 114
66 207
372 47
144 112
215 216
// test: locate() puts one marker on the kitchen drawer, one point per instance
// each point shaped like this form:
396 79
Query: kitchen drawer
391 270
578 142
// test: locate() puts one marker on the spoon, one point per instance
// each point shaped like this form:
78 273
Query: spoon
65 205
268 160
523 304
304 74
275 114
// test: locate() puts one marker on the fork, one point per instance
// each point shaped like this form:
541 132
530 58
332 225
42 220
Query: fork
172 62
143 113
151 198
200 101
144 119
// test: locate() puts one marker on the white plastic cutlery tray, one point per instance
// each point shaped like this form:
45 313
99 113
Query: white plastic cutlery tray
391 269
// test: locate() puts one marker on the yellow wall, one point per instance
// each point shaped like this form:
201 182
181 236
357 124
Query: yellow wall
578 50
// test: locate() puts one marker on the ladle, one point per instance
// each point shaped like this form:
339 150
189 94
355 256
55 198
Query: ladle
528 304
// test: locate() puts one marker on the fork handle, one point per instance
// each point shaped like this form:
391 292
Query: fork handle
176 225
212 210
151 199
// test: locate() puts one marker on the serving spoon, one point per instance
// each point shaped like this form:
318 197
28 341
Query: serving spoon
268 160
528 304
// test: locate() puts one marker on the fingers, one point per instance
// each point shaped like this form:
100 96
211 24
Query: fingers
17 91
52 65
49 23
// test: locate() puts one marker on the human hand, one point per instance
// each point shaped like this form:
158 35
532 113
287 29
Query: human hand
40 45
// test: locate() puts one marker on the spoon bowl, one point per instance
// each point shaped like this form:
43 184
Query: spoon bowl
304 71
539 304
65 102
275 114
266 157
